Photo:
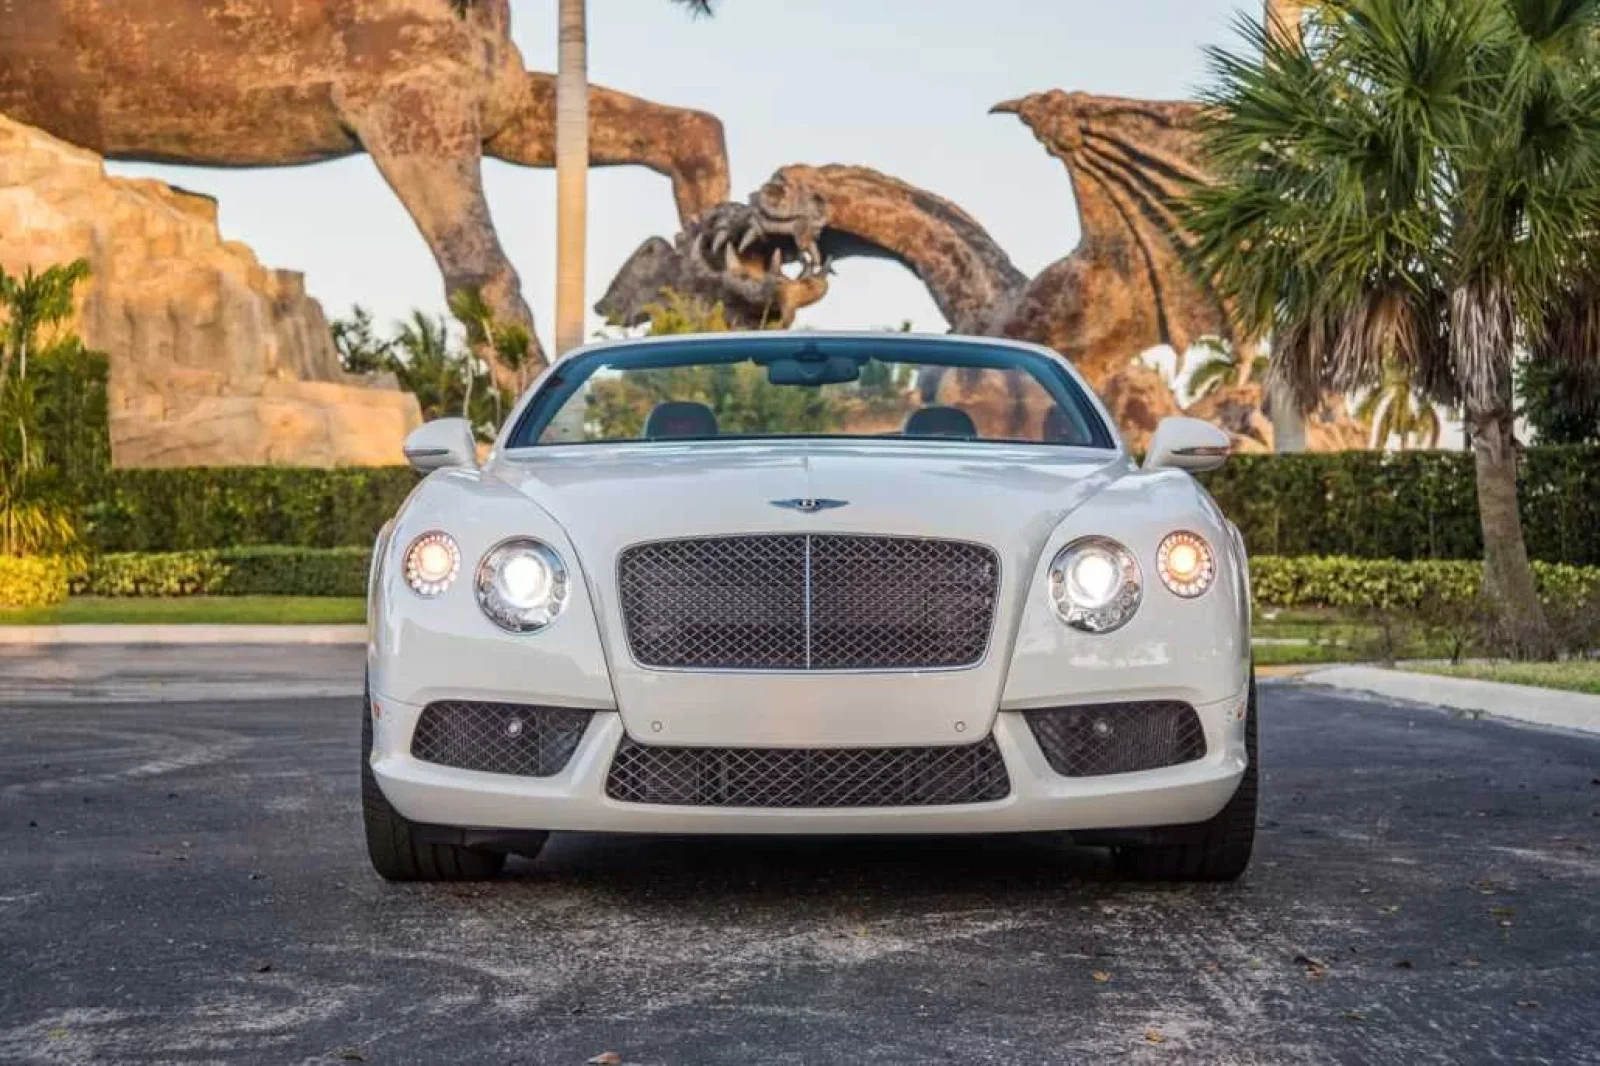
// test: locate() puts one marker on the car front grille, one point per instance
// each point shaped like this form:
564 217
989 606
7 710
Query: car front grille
1117 738
808 777
808 602
500 738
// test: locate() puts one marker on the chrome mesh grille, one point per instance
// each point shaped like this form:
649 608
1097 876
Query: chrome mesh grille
808 602
808 777
500 738
1117 738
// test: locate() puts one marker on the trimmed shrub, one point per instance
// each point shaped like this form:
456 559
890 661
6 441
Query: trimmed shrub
1388 584
1406 505
225 507
33 581
266 571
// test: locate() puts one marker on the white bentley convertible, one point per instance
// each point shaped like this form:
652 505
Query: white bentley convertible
810 583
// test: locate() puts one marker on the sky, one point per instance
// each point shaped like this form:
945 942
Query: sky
903 86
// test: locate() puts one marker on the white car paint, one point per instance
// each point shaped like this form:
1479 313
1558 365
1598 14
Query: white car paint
591 501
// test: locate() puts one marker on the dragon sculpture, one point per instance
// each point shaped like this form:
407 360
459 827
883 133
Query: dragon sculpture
427 88
1123 291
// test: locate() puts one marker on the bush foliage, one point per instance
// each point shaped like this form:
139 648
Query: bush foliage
1391 585
226 507
33 581
1406 505
261 571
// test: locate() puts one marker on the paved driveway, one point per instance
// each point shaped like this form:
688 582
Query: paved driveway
186 883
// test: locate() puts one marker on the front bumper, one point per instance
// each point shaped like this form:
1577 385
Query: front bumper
1040 799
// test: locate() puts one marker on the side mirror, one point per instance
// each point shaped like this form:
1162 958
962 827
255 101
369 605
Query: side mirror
1187 444
445 442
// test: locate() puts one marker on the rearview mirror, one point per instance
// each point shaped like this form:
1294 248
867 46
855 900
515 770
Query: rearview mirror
833 370
1187 444
442 443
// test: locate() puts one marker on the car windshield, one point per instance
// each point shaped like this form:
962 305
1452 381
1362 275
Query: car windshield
795 385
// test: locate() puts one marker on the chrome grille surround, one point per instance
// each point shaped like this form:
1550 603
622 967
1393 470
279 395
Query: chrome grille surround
498 738
808 777
816 601
1131 736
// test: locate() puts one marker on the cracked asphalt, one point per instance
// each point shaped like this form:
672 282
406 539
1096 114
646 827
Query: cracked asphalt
185 882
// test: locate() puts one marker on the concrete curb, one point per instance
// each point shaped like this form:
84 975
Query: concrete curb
43 636
1538 706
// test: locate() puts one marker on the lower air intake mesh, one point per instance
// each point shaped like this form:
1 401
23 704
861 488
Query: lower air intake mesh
808 777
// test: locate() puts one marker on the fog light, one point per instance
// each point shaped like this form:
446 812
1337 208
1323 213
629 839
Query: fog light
1186 564
432 563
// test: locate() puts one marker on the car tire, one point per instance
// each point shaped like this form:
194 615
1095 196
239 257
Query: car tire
399 848
1217 850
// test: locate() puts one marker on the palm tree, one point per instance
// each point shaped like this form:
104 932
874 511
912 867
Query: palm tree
34 305
572 166
1414 186
1394 409
1224 367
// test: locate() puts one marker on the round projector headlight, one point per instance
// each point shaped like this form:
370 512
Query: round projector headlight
1187 565
522 585
431 563
1095 585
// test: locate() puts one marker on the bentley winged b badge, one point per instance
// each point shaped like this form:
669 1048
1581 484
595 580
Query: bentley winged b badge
810 506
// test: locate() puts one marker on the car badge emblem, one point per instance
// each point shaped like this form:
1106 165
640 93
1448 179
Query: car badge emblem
810 506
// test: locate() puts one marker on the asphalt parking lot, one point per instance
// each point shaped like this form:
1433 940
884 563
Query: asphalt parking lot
185 882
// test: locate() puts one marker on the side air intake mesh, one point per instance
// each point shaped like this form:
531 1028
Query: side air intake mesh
500 738
1117 738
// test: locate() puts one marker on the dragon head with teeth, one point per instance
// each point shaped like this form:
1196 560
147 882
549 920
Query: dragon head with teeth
761 261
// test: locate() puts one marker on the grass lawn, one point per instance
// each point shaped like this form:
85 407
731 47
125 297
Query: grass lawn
180 610
1570 676
1328 636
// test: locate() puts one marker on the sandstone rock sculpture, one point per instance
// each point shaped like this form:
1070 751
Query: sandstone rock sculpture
1124 290
427 88
215 359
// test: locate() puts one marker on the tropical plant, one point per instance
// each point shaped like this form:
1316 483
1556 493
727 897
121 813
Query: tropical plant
1394 409
361 350
572 165
1224 367
1415 186
1560 401
33 519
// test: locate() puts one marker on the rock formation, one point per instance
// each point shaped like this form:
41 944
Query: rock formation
426 87
215 359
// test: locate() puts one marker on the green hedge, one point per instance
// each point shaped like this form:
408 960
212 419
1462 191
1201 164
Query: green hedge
1311 581
1406 505
33 581
1409 505
266 571
225 507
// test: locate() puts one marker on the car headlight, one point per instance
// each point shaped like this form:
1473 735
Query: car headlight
522 585
432 562
1187 565
1095 585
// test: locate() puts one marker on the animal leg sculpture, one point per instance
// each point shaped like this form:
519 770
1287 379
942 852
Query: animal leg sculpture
436 169
687 146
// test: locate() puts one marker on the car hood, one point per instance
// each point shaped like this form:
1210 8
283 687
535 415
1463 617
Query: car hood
1005 496
608 498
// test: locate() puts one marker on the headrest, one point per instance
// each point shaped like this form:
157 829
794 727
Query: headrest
680 418
1059 427
940 422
